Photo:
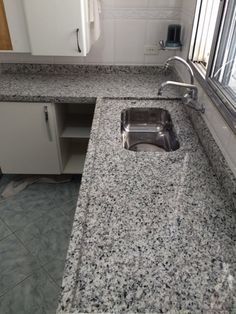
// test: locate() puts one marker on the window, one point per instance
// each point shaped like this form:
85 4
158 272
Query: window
213 53
205 23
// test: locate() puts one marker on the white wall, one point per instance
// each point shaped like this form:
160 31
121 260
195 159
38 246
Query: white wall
220 130
127 26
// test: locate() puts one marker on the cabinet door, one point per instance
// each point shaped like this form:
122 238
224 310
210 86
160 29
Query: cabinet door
17 25
28 138
57 27
5 39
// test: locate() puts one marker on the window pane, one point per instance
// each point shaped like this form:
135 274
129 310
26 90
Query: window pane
205 21
224 71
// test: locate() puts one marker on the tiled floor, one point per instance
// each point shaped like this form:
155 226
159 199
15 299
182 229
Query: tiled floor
35 227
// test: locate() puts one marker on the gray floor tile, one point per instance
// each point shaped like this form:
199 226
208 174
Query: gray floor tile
41 216
48 237
35 295
17 214
4 230
69 207
55 270
16 263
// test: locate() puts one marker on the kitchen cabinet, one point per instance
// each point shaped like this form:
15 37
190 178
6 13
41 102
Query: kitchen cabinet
28 138
18 33
58 27
44 138
5 39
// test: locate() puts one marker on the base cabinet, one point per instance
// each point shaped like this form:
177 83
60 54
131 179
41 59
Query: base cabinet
44 138
28 139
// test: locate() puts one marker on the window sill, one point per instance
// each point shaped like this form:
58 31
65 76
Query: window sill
228 113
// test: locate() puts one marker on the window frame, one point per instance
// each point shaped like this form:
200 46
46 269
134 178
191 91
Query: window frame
222 101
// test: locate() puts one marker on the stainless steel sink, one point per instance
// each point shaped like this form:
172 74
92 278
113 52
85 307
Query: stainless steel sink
148 129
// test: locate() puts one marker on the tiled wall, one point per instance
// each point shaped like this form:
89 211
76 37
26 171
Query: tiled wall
127 26
220 130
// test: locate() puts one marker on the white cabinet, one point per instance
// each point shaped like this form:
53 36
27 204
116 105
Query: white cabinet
17 25
58 27
44 138
28 138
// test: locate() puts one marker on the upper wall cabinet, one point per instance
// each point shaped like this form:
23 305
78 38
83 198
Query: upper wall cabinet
58 27
13 30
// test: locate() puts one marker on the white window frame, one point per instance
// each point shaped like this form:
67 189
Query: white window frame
221 97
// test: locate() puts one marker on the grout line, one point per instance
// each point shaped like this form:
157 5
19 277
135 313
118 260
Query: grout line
10 234
49 275
9 289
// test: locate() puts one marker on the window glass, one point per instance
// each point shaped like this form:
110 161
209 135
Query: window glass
224 70
205 21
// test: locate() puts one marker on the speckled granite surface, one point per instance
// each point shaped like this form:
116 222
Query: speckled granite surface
71 83
153 232
219 164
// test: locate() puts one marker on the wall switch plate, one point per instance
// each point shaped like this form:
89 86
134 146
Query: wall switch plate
151 50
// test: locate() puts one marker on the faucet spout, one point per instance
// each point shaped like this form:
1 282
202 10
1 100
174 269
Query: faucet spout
181 60
192 89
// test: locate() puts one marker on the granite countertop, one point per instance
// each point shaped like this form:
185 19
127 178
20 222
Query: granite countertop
153 232
73 84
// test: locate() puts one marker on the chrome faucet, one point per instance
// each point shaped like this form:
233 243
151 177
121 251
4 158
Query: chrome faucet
191 97
192 91
181 60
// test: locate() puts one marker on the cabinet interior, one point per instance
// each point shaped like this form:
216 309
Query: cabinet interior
74 122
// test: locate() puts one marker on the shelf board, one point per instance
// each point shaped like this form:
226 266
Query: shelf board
75 163
76 132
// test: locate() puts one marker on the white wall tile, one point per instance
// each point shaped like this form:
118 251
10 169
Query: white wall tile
130 3
129 41
68 60
103 50
107 3
156 31
24 58
165 3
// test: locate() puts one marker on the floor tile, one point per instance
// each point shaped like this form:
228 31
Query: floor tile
69 207
55 270
17 214
67 191
32 259
16 263
4 230
48 237
35 295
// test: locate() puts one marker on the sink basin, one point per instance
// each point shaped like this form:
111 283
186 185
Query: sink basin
148 129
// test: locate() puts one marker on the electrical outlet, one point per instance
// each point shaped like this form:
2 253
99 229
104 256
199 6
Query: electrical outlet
151 50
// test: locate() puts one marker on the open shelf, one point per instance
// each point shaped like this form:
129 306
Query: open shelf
74 126
75 163
75 158
76 132
77 126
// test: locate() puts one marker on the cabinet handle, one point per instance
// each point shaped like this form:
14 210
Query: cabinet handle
46 117
77 37
46 113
